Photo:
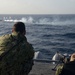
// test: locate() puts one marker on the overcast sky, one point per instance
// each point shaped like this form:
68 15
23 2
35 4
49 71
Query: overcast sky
37 6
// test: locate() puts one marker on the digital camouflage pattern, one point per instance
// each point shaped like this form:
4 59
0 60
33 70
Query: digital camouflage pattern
59 69
17 55
67 69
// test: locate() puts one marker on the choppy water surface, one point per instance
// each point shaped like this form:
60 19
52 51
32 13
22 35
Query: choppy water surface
47 33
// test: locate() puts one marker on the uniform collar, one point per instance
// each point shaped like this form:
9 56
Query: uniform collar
15 33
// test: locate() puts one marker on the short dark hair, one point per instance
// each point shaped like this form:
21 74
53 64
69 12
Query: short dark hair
19 27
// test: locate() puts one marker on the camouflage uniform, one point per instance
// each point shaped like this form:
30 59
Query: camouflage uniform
16 55
66 69
59 69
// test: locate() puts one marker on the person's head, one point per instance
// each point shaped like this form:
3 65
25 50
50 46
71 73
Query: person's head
72 57
19 27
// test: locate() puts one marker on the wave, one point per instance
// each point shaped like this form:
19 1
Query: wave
25 20
39 55
46 21
69 35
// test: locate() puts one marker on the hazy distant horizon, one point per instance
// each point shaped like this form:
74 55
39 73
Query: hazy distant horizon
37 14
37 6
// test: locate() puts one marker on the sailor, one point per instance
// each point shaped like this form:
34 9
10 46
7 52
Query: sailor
16 53
68 68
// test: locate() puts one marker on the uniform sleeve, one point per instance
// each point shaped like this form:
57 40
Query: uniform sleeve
4 43
59 70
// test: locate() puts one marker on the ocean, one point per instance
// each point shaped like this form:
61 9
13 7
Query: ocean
47 33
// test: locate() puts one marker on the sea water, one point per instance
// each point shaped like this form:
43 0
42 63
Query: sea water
47 33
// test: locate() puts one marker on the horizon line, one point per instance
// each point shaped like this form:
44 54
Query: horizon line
37 14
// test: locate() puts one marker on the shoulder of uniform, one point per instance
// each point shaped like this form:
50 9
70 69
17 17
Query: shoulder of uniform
5 36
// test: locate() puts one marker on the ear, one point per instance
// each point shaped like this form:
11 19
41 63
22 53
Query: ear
13 29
